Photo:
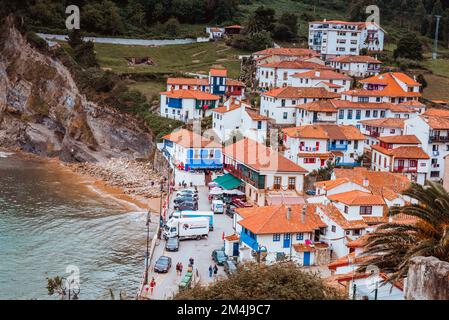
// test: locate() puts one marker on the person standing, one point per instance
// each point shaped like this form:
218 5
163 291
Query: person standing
180 268
152 285
191 261
211 270
215 270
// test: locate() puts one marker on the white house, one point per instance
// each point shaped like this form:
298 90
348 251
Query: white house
187 105
271 55
278 74
433 133
267 175
384 127
356 66
336 82
236 118
341 38
318 112
276 233
311 146
280 104
191 156
393 87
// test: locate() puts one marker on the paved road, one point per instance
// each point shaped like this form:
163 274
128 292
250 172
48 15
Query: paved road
199 250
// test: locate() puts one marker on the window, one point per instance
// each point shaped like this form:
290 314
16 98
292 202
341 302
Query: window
366 210
356 232
367 113
276 237
375 112
285 76
300 236
382 114
346 209
349 114
283 102
309 160
196 154
291 183
277 183
358 114
341 114
259 125
285 115
356 144
334 229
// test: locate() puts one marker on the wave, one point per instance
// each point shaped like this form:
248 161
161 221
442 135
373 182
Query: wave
6 154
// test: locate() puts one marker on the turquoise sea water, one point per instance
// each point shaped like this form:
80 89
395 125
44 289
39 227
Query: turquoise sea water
48 221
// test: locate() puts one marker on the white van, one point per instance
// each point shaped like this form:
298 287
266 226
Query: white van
217 206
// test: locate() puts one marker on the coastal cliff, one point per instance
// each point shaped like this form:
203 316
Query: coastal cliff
42 110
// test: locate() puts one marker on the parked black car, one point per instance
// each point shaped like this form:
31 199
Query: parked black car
184 198
187 192
219 257
162 264
229 266
187 206
172 244
311 192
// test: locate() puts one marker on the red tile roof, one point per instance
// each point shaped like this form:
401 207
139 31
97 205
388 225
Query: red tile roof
335 215
225 109
274 219
325 131
385 122
355 59
357 198
188 81
188 139
261 158
403 152
190 94
322 74
319 106
402 139
441 123
254 115
295 92
296 64
218 72
437 112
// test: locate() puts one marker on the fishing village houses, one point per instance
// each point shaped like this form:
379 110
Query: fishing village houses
334 110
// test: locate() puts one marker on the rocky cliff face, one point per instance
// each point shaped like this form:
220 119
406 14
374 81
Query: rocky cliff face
43 112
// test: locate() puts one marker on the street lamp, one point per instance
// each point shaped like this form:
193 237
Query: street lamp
72 287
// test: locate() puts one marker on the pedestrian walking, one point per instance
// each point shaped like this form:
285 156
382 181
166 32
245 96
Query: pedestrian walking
211 270
215 270
177 269
152 285
191 261
180 268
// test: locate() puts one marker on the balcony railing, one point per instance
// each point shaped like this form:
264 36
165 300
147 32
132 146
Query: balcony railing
374 134
337 147
438 139
250 242
240 175
405 169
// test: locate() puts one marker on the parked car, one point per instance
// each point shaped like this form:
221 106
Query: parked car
188 194
219 257
187 206
162 264
172 244
229 266
185 198
311 192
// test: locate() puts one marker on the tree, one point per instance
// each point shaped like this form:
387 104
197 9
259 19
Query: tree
420 17
262 19
291 21
282 32
409 47
75 39
280 281
392 245
420 78
85 55
172 27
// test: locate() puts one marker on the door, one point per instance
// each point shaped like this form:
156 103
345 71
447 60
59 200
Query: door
235 249
287 240
306 259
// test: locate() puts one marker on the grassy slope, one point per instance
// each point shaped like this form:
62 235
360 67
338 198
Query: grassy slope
194 57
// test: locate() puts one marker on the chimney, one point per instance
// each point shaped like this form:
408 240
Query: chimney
289 213
366 182
303 214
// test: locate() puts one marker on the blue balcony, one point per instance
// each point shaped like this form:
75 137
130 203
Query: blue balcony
205 160
249 241
337 147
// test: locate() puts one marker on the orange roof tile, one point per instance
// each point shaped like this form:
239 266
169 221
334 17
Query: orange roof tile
261 158
325 155
335 215
359 242
256 116
190 94
331 184
188 81
441 123
235 83
188 139
319 106
347 260
232 237
355 59
403 152
296 64
437 112
297 92
331 85
273 219
225 109
385 123
325 131
357 198
322 74
388 78
412 103
218 72
386 184
403 139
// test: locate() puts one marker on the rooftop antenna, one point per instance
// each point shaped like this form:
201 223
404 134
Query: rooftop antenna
434 54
